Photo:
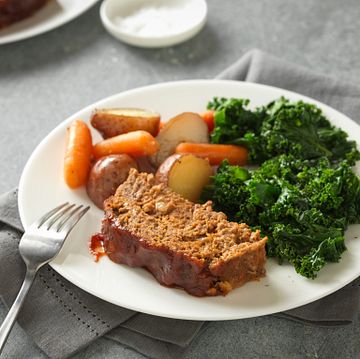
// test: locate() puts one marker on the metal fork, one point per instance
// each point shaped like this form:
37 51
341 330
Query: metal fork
40 244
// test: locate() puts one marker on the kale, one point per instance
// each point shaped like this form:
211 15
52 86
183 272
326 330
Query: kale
303 205
228 194
282 126
303 195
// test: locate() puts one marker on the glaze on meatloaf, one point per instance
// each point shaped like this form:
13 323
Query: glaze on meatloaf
181 243
15 10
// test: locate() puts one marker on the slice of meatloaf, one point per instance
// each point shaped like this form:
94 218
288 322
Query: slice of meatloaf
181 243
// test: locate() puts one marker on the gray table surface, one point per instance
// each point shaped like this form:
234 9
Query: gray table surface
45 79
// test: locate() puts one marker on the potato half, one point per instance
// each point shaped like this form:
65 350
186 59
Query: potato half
186 127
185 174
111 122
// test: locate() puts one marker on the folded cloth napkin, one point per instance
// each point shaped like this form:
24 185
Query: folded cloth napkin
61 318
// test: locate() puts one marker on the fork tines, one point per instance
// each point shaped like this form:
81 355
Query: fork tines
65 216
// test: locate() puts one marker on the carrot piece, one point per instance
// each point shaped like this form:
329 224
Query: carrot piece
78 151
161 125
215 153
135 143
208 116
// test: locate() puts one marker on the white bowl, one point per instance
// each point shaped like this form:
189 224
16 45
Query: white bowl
143 22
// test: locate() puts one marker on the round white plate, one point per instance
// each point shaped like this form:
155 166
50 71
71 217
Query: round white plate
52 15
42 188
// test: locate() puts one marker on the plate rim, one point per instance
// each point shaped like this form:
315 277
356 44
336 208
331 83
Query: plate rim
159 85
27 34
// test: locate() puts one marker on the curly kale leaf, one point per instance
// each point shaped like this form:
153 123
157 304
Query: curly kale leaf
337 140
292 128
308 251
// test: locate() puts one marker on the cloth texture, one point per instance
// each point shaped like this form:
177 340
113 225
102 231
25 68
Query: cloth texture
61 318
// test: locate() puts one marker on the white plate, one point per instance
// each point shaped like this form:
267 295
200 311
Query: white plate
52 15
42 188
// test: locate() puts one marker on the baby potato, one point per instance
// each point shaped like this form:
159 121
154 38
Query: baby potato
106 175
185 174
111 122
144 164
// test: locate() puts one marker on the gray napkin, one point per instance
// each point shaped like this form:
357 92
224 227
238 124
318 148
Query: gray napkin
62 318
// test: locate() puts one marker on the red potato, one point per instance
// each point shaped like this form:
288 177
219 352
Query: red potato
186 175
107 174
186 127
111 122
144 164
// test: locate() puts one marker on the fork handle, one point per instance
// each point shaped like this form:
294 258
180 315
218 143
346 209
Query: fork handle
9 321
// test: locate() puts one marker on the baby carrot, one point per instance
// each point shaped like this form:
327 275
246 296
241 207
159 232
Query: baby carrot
136 143
208 117
236 155
161 125
77 154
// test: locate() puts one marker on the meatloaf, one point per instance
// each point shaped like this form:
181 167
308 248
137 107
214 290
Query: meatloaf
15 10
181 243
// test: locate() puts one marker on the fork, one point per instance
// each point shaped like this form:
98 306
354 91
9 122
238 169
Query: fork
40 244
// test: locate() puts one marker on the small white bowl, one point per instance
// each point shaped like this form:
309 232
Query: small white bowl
143 22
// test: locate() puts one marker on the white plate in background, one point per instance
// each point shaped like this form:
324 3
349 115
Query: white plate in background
52 15
42 188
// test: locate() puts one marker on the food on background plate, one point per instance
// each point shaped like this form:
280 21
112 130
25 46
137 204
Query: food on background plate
12 11
181 243
215 153
106 176
78 150
111 122
186 127
185 174
136 143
